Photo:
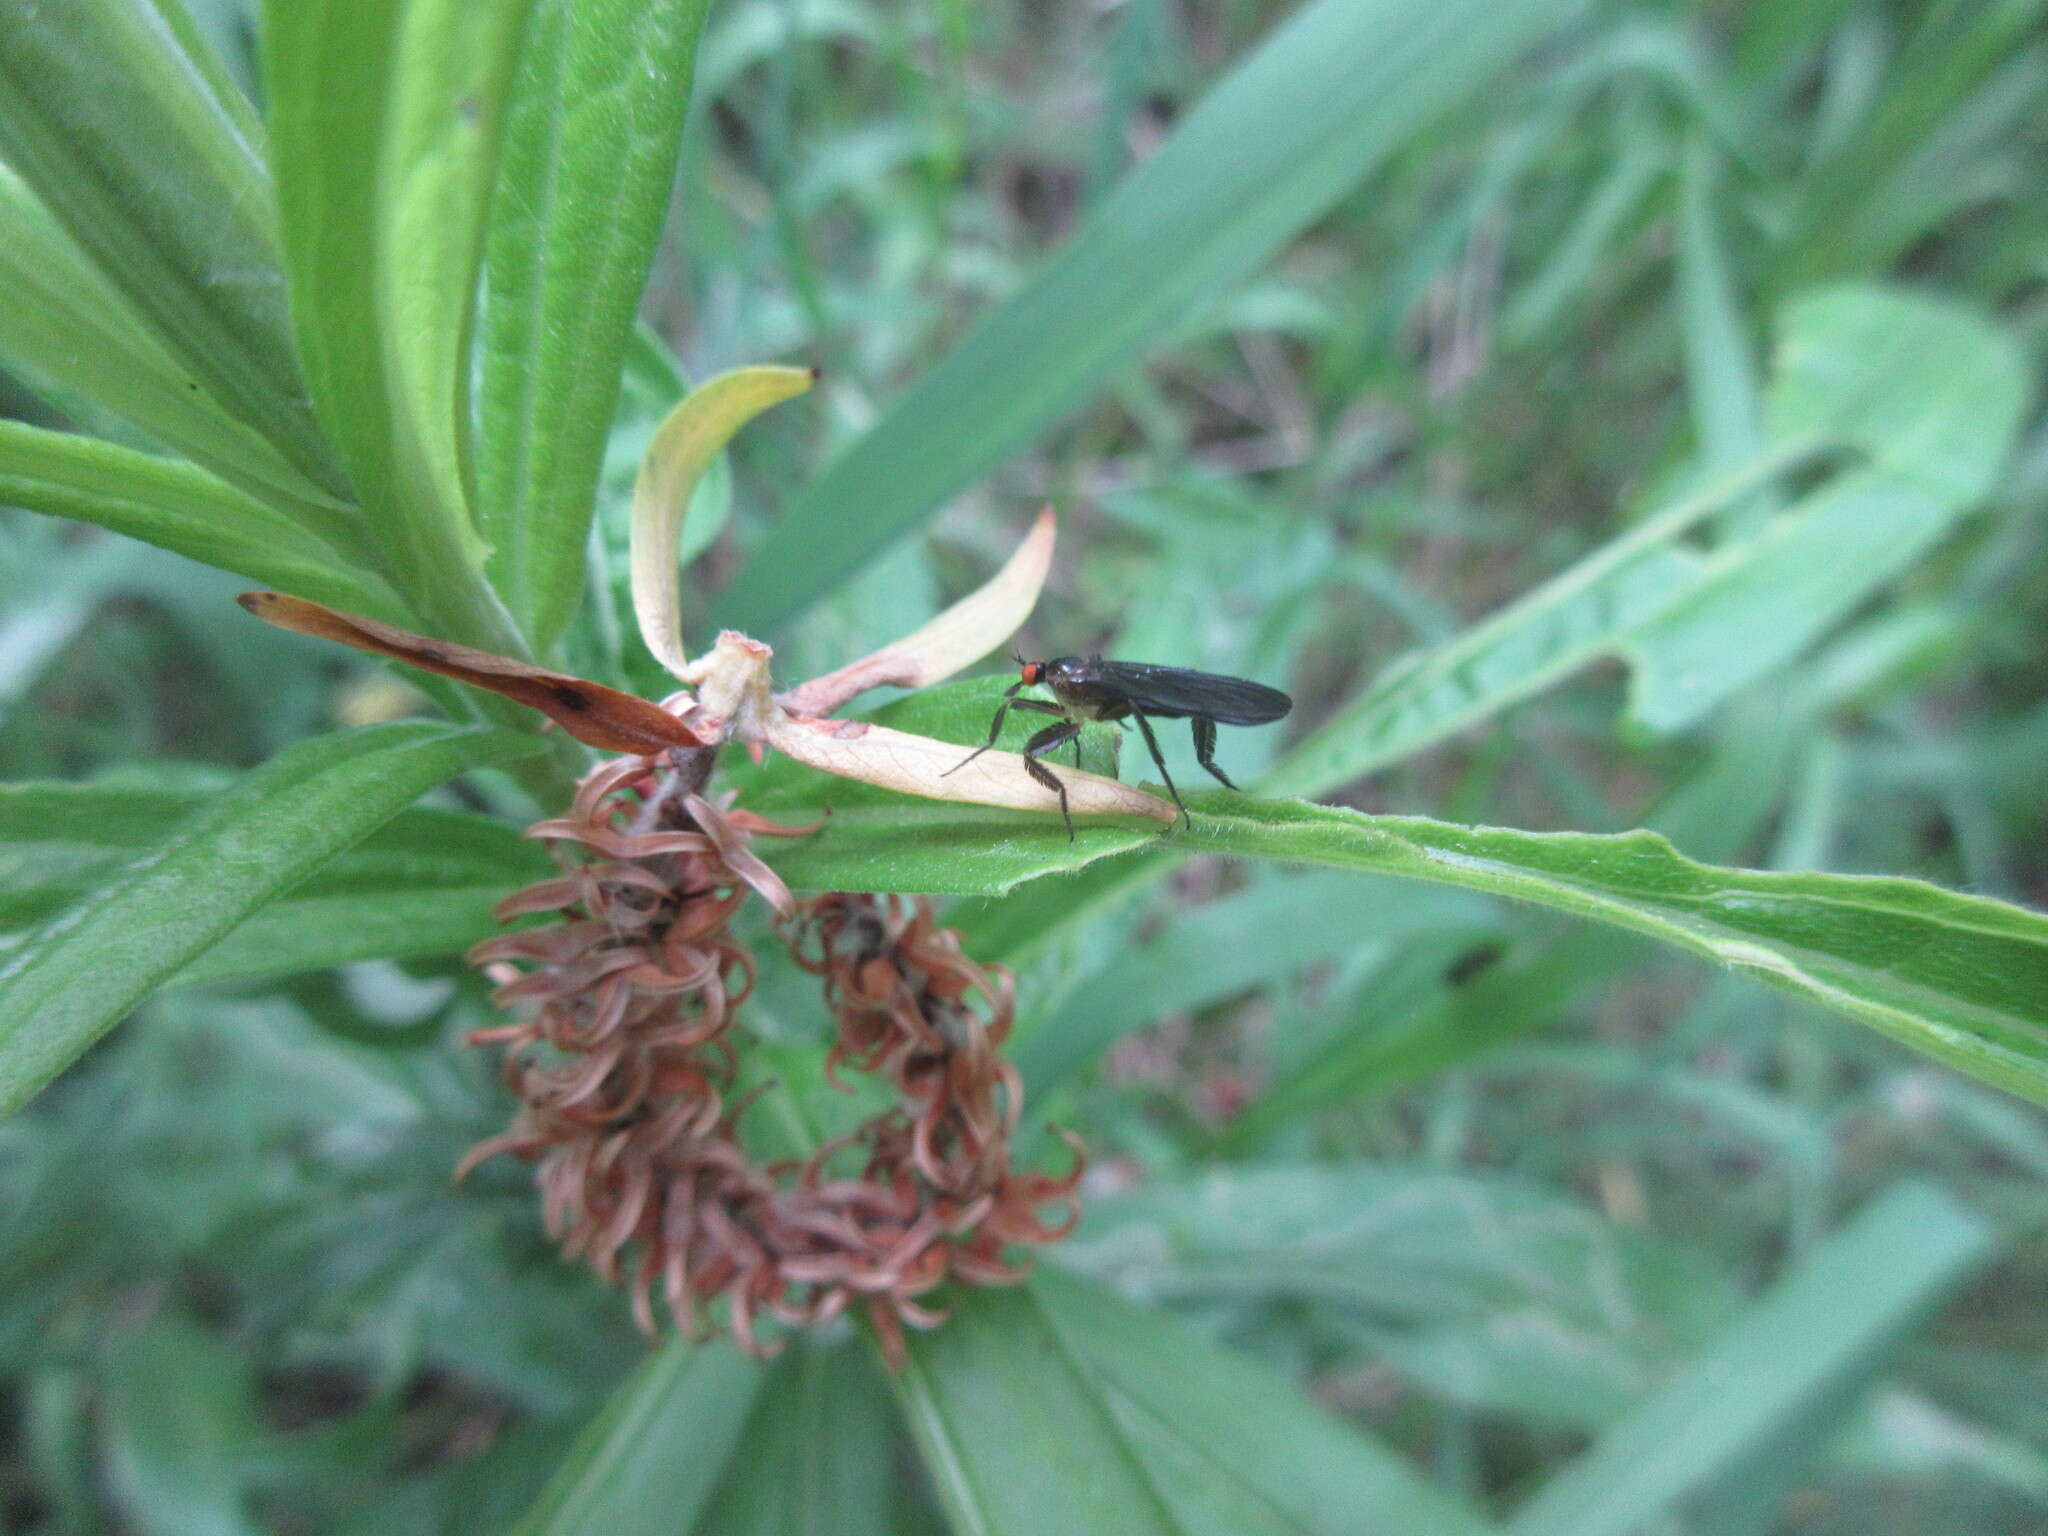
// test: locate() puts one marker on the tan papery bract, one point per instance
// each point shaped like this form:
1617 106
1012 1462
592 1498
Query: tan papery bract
957 638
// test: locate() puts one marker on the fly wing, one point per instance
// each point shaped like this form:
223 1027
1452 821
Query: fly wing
1178 692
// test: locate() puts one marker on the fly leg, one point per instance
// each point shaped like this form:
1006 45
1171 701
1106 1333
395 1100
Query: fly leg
1010 701
1151 741
1051 739
1205 750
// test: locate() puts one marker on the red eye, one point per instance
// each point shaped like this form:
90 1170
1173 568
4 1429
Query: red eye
1031 671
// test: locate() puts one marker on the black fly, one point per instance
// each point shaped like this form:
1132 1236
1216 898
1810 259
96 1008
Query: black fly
1094 689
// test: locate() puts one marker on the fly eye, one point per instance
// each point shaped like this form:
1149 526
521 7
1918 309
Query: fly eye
1030 671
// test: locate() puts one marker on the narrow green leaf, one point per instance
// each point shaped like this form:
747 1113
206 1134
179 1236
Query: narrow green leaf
820 1454
420 886
69 329
1931 392
1721 383
1331 93
87 968
1535 641
1934 395
181 1426
591 139
1057 1407
1849 1301
1271 931
128 129
650 1461
1407 1023
454 61
384 118
180 508
1762 603
314 932
1962 979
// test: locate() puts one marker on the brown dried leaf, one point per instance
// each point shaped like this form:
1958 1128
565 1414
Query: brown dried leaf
595 715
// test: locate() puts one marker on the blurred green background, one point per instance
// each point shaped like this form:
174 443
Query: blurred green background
1470 1175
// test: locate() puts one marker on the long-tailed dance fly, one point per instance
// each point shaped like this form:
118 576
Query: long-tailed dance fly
1089 688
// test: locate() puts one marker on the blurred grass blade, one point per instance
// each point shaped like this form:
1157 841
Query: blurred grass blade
589 154
1057 1407
1579 614
87 968
820 1455
1929 391
384 122
1616 202
130 132
68 330
1720 373
182 1417
1846 1303
1256 937
176 507
1934 394
648 1464
1846 216
683 446
1331 94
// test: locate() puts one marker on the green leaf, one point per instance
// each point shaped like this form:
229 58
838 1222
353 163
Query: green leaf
1273 930
1846 1303
177 507
651 1460
1929 391
71 332
1721 383
420 886
1332 93
819 1459
1057 1407
1541 638
384 124
1962 979
1488 1290
88 967
591 139
1934 395
181 1426
131 134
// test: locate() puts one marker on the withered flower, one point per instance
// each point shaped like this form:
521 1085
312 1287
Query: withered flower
625 1062
624 1070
